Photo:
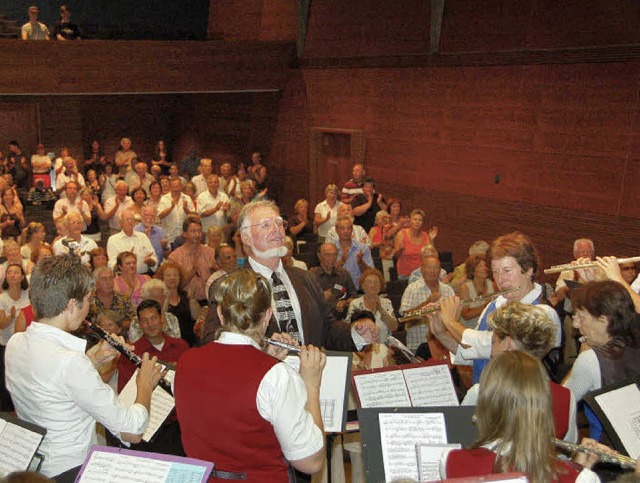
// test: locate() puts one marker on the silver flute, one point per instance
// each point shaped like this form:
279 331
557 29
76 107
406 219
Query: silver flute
615 459
283 345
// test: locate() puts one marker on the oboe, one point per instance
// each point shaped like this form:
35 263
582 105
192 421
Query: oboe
616 459
132 356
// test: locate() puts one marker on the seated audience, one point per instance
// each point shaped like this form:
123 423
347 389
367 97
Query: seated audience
74 241
104 297
38 253
288 260
227 261
129 240
157 290
98 258
478 284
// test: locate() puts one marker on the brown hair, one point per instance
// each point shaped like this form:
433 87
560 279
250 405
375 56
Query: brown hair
516 245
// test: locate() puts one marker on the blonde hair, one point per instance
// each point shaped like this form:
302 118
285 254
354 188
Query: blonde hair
528 325
514 416
243 297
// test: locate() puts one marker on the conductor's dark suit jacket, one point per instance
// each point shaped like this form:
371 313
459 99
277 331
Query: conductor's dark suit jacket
320 327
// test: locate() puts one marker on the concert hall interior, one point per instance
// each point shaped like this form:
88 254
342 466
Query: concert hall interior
481 118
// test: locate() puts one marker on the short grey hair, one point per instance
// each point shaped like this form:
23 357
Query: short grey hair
249 208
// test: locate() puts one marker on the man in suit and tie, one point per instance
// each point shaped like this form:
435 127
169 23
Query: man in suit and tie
299 308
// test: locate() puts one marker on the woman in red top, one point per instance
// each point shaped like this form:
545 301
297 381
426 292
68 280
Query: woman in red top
409 243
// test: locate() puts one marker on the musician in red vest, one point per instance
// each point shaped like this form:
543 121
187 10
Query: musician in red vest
524 327
241 408
515 428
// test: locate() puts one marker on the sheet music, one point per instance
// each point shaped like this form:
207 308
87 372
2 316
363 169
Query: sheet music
332 389
399 434
622 408
17 447
108 467
431 386
429 456
382 389
162 403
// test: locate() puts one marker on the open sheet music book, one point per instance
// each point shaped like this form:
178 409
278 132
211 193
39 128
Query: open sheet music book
333 389
618 409
19 442
422 384
162 403
107 464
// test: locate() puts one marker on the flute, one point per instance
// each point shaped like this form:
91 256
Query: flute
569 266
420 312
616 459
284 345
132 356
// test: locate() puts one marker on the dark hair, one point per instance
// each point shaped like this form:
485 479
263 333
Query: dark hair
133 193
96 252
609 299
122 256
24 285
516 245
472 262
57 280
148 304
362 314
370 181
191 219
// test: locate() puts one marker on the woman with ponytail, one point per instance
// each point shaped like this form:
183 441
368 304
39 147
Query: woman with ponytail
239 406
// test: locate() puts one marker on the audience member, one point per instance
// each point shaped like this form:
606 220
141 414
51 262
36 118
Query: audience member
200 180
173 209
98 258
69 173
115 205
409 242
72 203
367 204
104 297
95 159
358 233
39 195
189 165
258 173
229 183
34 30
129 240
197 260
139 197
157 290
288 260
227 261
378 235
74 241
64 29
213 204
92 229
372 283
125 157
155 233
161 157
478 284
300 225
326 212
11 215
18 166
140 178
129 283
32 237
40 166
353 256
353 187
427 290
335 282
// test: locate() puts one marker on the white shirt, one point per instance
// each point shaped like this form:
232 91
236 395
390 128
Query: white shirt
480 340
172 223
281 400
357 233
138 243
635 285
207 201
62 179
323 209
86 245
415 294
585 375
78 206
114 221
6 302
200 183
53 384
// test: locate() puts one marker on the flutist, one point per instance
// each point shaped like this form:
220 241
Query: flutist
55 385
514 263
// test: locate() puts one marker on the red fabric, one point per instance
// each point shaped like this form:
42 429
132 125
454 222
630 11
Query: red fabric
28 314
411 257
479 462
561 404
171 352
215 392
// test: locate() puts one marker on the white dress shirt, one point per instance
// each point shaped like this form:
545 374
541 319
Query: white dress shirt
205 202
53 384
172 223
137 243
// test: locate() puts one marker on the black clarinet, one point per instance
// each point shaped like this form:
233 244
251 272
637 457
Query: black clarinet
132 356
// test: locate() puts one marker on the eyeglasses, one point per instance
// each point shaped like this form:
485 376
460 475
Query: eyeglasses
267 225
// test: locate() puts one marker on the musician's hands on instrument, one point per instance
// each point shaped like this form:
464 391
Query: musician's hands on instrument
312 362
368 330
280 352
436 327
150 373
450 309
103 352
611 268
588 460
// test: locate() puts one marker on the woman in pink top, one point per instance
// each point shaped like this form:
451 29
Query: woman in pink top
409 243
129 283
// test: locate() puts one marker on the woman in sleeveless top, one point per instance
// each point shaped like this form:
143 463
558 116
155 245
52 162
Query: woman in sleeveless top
514 399
478 284
409 242
129 283
269 413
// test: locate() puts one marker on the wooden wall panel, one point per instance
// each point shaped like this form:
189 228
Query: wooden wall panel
563 139
252 20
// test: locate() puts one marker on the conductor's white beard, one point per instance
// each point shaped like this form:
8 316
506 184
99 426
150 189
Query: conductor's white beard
270 253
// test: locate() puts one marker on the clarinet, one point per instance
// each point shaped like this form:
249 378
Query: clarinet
132 356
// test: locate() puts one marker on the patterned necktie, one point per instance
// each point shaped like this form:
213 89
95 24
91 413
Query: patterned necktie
284 310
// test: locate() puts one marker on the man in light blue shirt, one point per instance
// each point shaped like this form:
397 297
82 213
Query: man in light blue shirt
353 255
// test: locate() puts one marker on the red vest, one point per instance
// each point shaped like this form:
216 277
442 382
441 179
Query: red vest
215 393
479 462
561 405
